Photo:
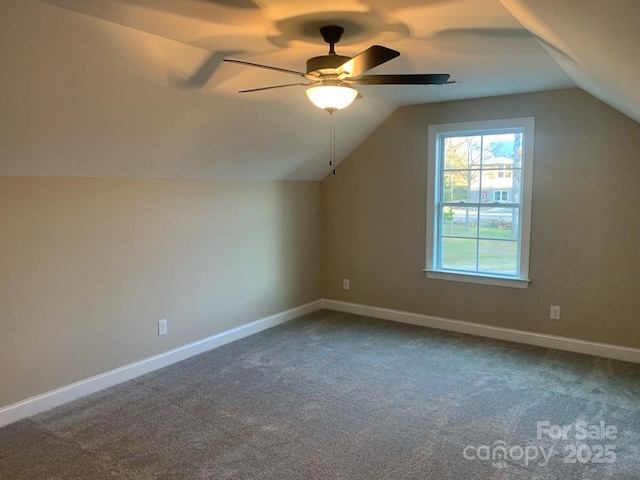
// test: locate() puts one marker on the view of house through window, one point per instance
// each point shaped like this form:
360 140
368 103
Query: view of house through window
478 201
478 235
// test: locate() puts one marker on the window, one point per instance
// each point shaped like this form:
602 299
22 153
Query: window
479 203
501 195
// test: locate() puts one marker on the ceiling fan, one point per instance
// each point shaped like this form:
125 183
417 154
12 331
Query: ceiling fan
330 76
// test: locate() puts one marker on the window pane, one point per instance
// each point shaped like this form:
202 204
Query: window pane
496 256
455 186
460 222
516 186
505 171
462 153
503 146
494 187
473 177
459 253
499 223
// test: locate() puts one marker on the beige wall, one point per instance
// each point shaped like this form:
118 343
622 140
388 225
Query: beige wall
88 266
585 243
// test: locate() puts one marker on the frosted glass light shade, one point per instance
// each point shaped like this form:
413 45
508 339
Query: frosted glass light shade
331 97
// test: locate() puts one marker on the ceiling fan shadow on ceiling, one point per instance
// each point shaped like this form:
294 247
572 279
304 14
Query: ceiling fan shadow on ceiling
329 77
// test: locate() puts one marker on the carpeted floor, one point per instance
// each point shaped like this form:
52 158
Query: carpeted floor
337 396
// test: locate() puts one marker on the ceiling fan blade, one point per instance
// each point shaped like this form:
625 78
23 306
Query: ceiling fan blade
204 73
410 79
268 67
276 86
370 58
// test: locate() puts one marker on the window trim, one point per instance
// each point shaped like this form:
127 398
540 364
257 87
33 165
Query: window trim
470 128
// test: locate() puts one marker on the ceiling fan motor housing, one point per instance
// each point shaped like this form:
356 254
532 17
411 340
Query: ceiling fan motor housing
325 64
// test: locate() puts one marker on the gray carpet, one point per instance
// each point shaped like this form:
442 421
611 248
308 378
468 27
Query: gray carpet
337 396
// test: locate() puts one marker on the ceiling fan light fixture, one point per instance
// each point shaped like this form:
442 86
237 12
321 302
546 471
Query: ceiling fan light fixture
332 97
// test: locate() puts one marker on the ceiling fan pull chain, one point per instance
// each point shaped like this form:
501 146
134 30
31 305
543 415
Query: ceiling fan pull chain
332 143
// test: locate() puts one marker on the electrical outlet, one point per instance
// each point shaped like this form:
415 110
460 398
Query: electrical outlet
162 327
346 283
554 313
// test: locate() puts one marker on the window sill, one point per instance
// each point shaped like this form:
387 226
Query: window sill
481 279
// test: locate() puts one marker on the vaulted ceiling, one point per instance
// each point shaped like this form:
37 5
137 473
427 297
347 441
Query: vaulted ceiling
138 87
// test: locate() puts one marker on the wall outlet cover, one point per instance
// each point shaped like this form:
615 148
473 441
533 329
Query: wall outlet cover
162 327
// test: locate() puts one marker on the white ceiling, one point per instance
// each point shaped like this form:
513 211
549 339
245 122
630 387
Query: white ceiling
596 42
137 87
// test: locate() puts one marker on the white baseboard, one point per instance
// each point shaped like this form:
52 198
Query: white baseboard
627 354
68 393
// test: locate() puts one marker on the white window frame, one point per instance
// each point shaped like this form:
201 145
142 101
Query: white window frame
436 132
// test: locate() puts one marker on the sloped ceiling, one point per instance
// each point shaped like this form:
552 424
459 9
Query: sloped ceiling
597 43
137 87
